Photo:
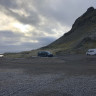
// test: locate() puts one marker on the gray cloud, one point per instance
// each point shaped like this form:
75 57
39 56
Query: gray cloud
46 40
33 18
44 15
10 34
9 38
8 3
11 42
63 11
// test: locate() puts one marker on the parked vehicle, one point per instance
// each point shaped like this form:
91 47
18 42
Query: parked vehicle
1 55
91 52
45 54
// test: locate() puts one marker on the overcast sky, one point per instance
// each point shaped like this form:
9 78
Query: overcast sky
30 24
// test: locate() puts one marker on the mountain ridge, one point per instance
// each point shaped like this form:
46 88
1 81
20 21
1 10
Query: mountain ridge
83 31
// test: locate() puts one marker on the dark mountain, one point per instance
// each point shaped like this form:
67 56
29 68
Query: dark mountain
81 37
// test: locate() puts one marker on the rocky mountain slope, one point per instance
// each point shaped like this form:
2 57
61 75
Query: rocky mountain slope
81 37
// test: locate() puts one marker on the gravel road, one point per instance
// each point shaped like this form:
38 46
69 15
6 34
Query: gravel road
18 82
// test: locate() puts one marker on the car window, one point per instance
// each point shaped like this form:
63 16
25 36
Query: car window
91 51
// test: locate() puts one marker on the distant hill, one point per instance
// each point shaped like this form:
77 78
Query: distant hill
80 38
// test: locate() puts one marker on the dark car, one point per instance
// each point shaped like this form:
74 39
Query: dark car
45 54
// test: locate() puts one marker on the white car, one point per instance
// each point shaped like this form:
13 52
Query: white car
91 52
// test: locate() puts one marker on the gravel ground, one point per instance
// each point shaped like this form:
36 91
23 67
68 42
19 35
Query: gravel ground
16 80
16 83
